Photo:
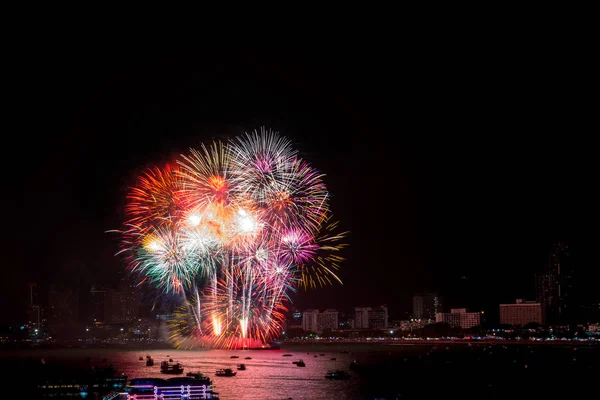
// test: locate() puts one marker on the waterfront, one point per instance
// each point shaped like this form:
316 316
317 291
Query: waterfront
389 371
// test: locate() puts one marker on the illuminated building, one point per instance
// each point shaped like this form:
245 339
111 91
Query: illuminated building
328 319
378 317
413 324
521 313
361 317
315 321
459 318
310 321
98 311
554 285
370 317
36 318
426 306
124 303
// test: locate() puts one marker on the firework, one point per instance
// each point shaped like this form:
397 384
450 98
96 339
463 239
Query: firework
234 229
155 200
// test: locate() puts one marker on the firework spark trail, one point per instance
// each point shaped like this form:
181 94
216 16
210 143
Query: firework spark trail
233 229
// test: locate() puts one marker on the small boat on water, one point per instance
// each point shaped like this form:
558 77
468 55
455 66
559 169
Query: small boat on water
225 372
241 367
337 375
321 354
248 358
299 363
149 362
196 375
287 355
141 358
333 358
234 357
170 360
167 368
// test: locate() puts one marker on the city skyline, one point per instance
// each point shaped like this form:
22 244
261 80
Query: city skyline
467 215
59 304
424 305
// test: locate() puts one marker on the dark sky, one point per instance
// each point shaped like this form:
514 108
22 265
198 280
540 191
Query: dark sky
453 166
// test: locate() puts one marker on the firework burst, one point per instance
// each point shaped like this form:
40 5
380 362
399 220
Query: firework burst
234 229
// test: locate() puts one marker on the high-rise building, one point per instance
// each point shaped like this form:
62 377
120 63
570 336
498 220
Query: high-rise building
459 318
554 286
63 310
124 304
63 306
521 313
295 320
378 317
370 317
426 305
328 319
310 321
36 312
99 306
346 320
361 317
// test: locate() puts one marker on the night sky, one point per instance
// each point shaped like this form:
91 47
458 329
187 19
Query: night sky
454 168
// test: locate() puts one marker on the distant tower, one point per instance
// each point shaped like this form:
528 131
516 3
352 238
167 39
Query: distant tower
310 321
426 305
98 311
554 286
34 312
361 317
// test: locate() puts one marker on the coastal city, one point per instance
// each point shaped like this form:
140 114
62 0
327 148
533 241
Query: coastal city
226 224
107 315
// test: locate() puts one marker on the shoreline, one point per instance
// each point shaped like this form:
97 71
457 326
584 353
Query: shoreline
331 344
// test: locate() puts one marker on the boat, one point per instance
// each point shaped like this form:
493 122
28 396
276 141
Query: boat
140 358
354 366
241 367
170 360
248 358
149 362
188 380
299 363
225 372
287 355
196 375
321 354
234 357
337 375
78 383
333 358
178 387
167 368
